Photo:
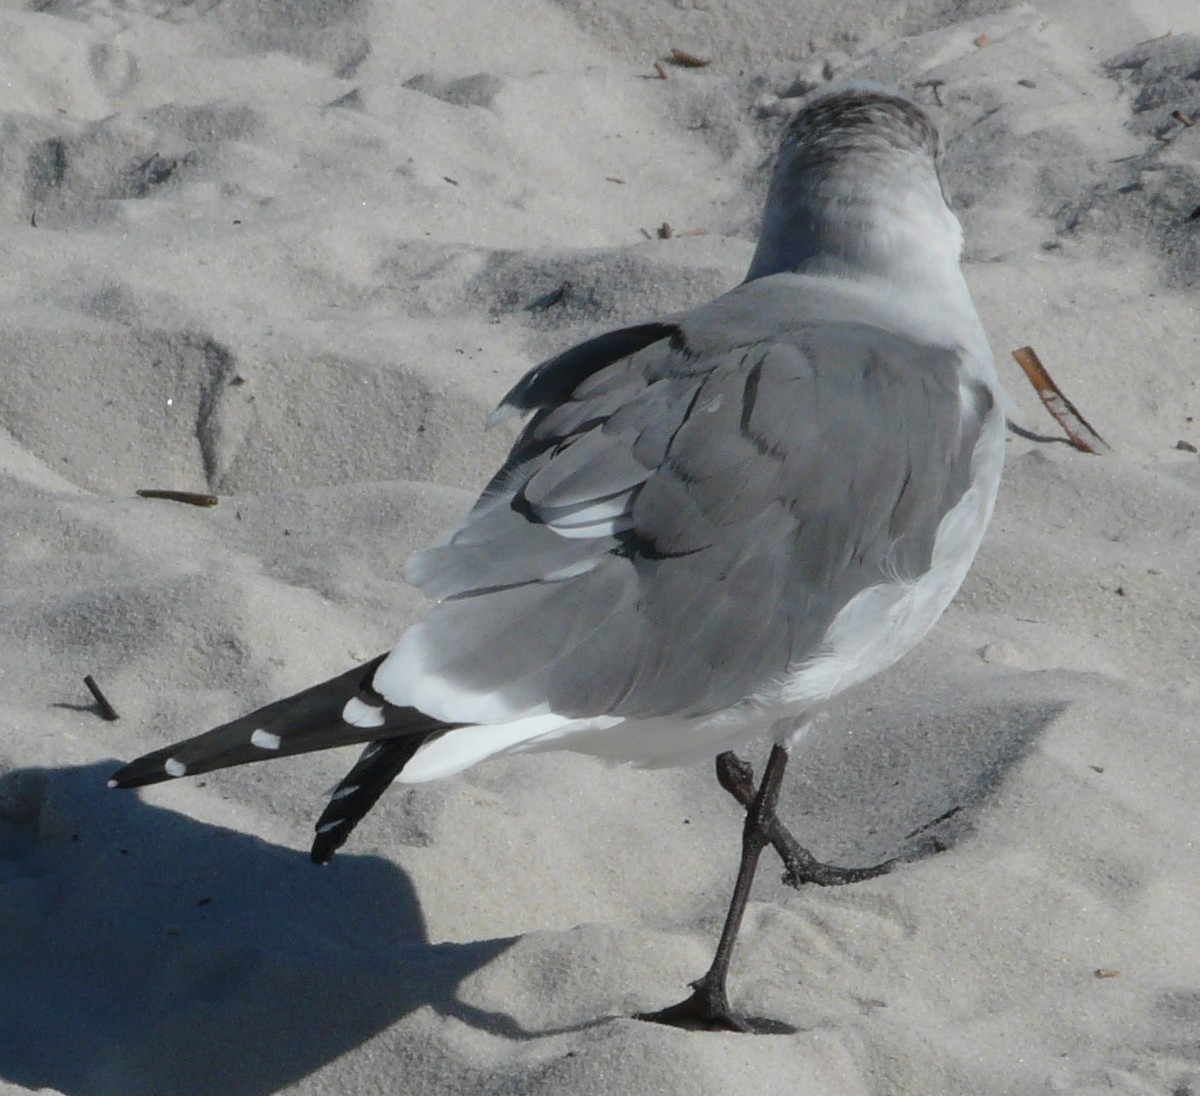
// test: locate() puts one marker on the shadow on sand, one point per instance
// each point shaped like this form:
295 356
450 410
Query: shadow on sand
142 951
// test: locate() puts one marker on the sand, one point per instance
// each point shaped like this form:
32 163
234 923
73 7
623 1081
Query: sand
291 255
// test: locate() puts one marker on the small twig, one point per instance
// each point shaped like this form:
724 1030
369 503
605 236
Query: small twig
684 59
935 86
106 709
192 498
1079 431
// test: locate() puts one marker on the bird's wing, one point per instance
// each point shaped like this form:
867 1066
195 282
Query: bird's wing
678 525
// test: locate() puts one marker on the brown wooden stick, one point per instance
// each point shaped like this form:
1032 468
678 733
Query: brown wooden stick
106 709
683 59
192 498
1079 431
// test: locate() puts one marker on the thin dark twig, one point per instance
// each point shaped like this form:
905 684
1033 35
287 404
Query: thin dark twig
935 86
192 498
106 709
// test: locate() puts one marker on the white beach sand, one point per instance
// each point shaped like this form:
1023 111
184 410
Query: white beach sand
292 254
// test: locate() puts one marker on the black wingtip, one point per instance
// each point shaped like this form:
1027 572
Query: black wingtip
326 844
154 768
381 762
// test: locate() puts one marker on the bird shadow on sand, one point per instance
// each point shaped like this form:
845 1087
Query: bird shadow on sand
143 951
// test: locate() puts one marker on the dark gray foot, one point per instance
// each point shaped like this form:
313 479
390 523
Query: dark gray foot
737 778
708 1009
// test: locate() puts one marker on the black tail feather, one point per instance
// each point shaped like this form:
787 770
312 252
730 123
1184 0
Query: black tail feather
381 762
310 720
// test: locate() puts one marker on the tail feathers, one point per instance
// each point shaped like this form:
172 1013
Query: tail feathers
380 764
338 712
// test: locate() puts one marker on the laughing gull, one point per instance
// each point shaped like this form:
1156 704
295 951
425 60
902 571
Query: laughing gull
710 525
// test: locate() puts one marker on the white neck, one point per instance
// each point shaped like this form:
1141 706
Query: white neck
870 217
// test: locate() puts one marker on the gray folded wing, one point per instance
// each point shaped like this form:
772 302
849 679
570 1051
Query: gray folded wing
676 527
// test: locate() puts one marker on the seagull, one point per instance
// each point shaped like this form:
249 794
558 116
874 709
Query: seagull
710 525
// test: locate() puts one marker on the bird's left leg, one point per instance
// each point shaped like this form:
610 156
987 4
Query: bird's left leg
708 1007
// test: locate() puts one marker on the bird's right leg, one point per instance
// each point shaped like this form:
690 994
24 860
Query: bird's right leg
800 866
